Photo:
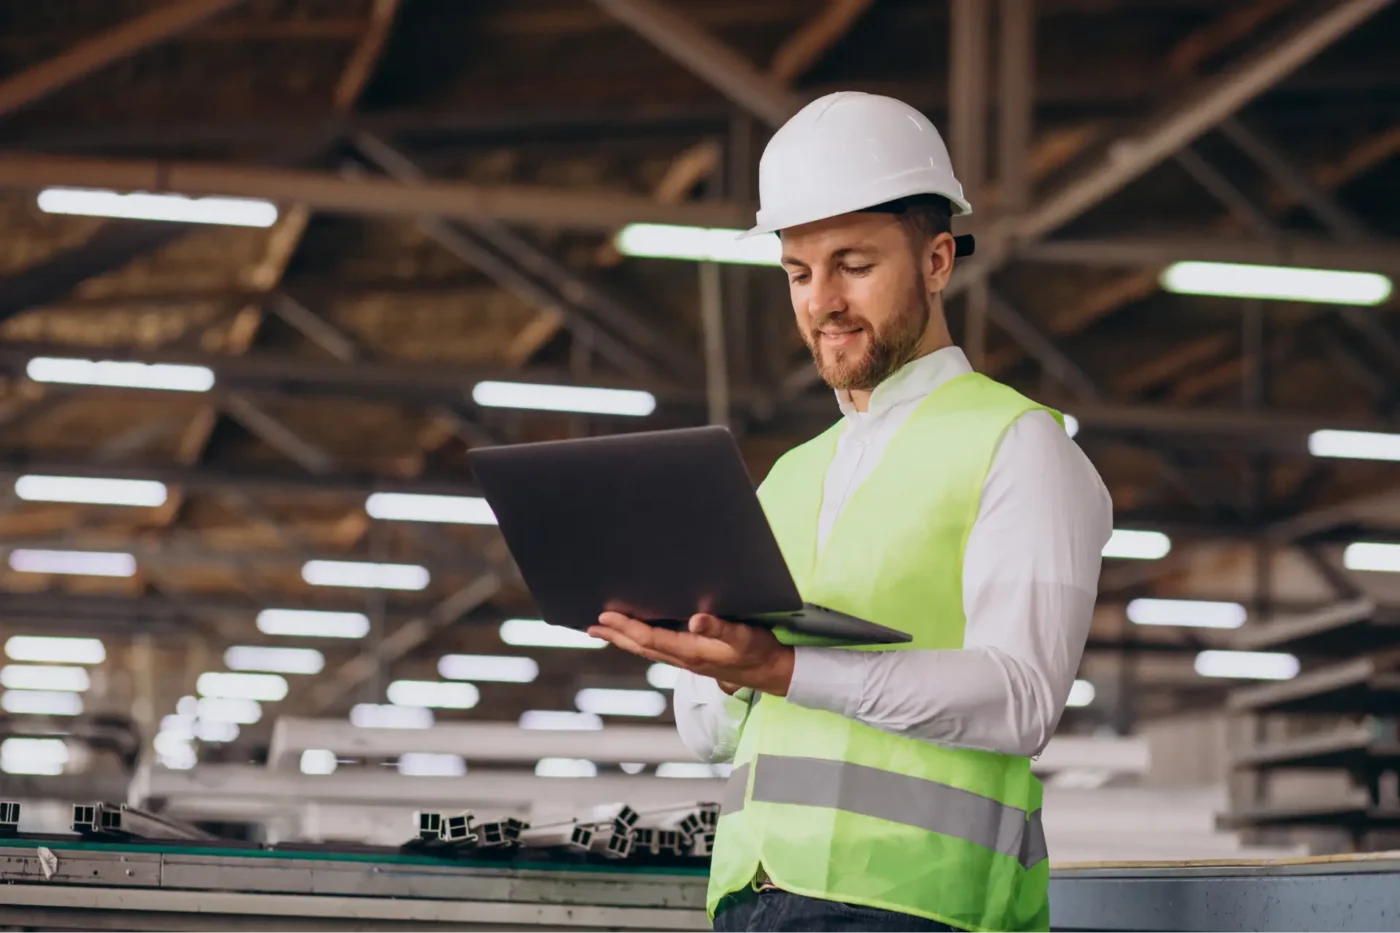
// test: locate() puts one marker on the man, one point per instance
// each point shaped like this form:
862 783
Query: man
890 789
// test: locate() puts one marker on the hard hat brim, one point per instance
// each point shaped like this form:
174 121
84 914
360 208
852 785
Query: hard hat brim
961 208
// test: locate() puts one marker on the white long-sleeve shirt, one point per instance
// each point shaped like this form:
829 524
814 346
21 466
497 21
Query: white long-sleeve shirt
1030 578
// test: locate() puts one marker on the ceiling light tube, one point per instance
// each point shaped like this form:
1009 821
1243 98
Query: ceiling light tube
565 768
434 694
363 575
267 688
586 400
120 374
1081 694
1371 555
537 633
73 563
431 764
42 702
492 668
1354 445
44 677
380 716
412 507
697 244
313 623
550 720
90 491
1137 545
25 755
141 205
1277 283
1247 665
55 649
274 660
1189 613
318 761
608 702
243 712
663 676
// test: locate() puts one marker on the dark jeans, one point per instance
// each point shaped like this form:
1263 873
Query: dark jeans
779 910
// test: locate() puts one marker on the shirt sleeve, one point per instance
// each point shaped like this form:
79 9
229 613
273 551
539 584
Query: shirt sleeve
708 719
1030 579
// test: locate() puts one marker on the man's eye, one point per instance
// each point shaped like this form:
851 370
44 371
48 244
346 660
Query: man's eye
798 279
859 270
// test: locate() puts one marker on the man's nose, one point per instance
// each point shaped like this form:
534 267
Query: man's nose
825 297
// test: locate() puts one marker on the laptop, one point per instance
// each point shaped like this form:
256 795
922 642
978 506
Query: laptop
657 525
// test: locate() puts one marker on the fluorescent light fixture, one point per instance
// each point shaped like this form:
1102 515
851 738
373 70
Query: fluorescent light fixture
697 244
120 374
243 712
55 649
551 720
1189 613
208 730
608 702
663 676
24 755
1354 445
1071 424
365 575
42 702
313 623
90 491
632 767
174 751
318 761
74 563
492 668
583 399
40 677
1137 545
274 660
1279 283
187 706
537 633
692 769
1369 555
434 694
431 764
1081 693
373 716
142 205
412 507
1247 665
565 768
268 688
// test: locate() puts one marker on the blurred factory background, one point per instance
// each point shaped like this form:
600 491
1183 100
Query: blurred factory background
247 582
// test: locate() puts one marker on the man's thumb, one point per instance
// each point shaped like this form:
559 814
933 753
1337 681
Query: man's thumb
707 625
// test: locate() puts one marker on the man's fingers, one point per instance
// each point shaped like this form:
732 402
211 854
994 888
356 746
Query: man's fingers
707 625
691 648
619 640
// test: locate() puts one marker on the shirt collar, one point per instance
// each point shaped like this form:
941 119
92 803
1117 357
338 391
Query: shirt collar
914 380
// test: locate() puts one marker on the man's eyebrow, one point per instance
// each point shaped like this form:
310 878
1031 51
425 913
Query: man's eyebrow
843 253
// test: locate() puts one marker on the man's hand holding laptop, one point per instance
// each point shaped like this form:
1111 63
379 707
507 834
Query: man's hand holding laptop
734 654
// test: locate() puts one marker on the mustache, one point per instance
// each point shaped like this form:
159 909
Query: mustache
840 317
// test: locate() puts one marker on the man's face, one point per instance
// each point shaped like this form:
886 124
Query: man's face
859 294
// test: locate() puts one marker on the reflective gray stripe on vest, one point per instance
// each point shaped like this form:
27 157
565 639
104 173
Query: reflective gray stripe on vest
929 805
735 790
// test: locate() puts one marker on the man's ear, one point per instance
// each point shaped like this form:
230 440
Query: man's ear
937 262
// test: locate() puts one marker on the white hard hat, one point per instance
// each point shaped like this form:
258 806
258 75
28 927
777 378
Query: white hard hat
846 152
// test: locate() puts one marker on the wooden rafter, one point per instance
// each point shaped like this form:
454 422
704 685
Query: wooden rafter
264 277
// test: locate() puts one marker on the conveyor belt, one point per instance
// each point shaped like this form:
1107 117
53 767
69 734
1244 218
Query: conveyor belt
165 887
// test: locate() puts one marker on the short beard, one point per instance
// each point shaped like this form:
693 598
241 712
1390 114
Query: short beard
889 348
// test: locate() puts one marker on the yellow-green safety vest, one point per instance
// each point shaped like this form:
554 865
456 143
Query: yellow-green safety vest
831 808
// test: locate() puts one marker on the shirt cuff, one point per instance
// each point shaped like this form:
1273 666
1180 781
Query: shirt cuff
827 678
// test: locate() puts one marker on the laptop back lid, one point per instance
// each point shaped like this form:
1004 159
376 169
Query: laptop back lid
658 525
